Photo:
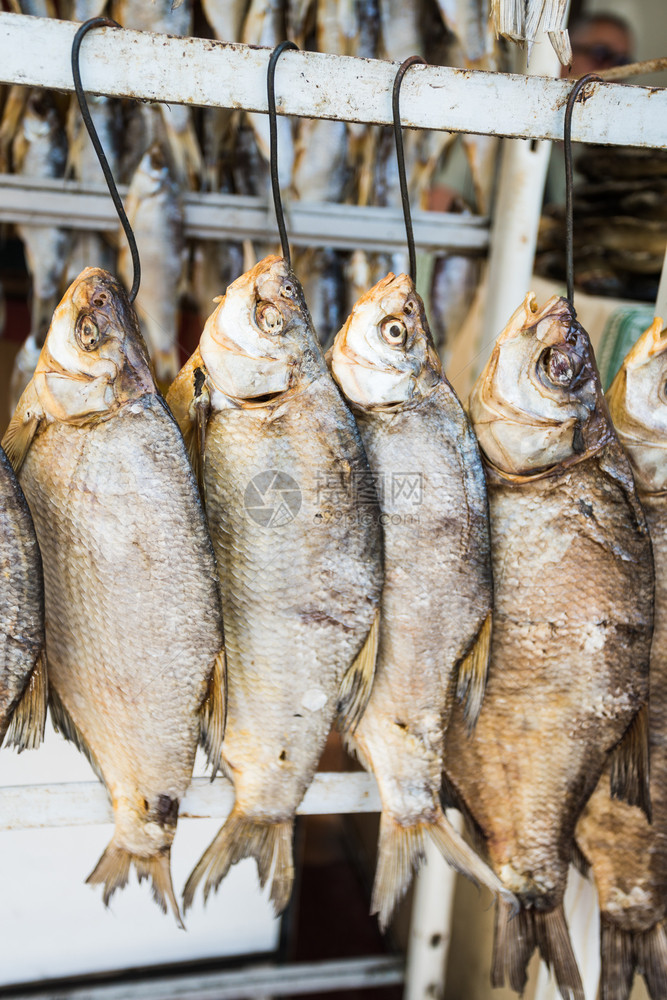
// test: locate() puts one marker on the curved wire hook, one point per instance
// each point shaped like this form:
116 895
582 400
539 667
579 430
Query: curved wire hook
99 22
400 156
273 139
569 210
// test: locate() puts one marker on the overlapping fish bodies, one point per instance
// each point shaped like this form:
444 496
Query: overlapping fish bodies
23 684
573 612
134 628
628 856
437 597
296 531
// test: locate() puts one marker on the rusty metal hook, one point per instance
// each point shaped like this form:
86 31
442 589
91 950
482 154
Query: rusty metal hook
400 156
106 22
273 136
569 209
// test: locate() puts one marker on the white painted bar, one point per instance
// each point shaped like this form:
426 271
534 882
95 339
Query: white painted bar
431 923
208 73
82 803
252 983
31 201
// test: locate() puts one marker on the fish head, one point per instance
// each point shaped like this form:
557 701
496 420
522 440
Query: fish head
384 354
638 405
259 343
94 358
538 403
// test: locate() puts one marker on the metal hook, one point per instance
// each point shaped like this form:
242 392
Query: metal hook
569 210
273 136
99 22
400 156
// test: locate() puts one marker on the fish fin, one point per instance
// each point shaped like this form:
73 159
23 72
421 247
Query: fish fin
516 937
629 775
624 952
651 947
355 689
190 402
64 724
26 729
213 713
473 672
268 842
113 870
401 853
580 861
18 436
450 799
513 944
553 940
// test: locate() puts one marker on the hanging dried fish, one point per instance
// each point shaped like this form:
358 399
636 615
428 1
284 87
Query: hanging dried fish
627 854
437 598
134 629
297 535
40 151
155 212
573 615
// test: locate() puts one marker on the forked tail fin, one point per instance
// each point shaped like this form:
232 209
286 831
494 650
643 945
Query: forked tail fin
516 938
401 853
623 953
113 870
268 842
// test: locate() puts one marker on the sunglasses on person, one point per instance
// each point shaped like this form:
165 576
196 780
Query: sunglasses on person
601 55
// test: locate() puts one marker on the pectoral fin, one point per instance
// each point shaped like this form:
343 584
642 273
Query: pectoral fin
190 402
26 730
358 681
629 778
472 674
22 429
213 713
64 723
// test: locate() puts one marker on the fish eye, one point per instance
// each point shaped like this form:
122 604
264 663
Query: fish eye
557 366
87 333
268 317
394 331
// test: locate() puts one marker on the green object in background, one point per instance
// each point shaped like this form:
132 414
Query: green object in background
621 332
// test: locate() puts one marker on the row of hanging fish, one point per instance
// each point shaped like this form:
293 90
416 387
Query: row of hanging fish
163 151
486 614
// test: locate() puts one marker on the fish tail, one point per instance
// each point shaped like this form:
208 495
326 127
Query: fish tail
268 842
113 871
26 729
629 779
401 853
516 938
624 952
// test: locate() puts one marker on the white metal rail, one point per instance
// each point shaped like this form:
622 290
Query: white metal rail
44 202
122 63
81 803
